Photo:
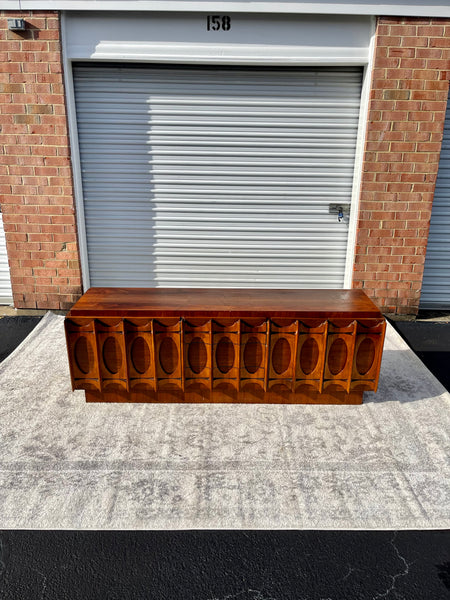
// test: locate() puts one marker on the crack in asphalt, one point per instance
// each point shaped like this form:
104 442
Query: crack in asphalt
396 576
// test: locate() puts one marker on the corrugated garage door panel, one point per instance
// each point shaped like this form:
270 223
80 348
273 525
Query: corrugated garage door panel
216 177
5 280
436 279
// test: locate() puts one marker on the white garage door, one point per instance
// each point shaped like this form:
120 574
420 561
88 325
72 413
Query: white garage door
216 177
5 281
436 279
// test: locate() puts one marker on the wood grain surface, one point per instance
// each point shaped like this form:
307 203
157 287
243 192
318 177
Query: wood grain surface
167 302
172 345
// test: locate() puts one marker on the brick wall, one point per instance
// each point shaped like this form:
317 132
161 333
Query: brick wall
35 172
405 124
406 118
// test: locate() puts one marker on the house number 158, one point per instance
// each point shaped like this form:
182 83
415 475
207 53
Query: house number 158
218 22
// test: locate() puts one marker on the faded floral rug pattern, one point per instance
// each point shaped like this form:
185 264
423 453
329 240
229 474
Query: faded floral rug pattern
67 464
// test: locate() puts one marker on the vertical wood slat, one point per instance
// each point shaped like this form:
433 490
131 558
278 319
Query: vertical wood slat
164 353
339 363
323 356
221 332
97 354
96 365
375 332
112 360
267 358
277 358
211 357
192 332
351 356
74 331
294 374
155 354
182 361
124 356
257 352
238 355
144 331
311 373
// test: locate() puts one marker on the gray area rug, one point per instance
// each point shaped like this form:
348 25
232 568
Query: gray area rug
71 465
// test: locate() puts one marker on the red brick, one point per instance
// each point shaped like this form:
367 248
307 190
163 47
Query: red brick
408 105
403 147
402 52
429 53
403 29
401 168
414 63
436 127
440 42
436 85
395 115
411 84
35 121
438 63
423 95
60 281
48 34
412 177
420 116
49 78
41 109
416 136
416 42
388 40
405 126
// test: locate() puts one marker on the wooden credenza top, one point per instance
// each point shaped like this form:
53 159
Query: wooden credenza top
225 302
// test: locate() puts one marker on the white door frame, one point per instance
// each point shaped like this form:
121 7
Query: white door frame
166 54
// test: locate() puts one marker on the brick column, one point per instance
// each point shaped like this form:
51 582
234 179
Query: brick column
36 179
405 124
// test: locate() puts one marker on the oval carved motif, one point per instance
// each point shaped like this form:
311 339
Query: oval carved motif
253 355
197 355
168 355
309 355
281 356
140 355
112 355
225 355
84 355
365 356
337 356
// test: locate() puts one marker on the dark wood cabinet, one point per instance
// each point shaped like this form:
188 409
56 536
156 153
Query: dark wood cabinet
224 345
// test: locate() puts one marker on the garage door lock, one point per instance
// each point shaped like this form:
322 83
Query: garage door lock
340 210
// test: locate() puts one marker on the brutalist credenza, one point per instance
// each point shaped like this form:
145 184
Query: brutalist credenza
224 345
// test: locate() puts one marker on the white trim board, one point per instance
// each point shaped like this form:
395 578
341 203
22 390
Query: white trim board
75 159
251 39
406 8
359 158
